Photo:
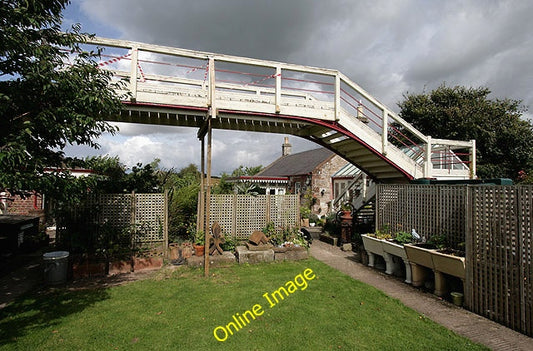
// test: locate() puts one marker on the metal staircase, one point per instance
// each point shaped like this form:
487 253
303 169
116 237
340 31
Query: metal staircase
177 87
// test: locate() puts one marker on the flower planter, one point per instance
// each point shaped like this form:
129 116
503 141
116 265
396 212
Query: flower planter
373 247
391 248
419 256
199 250
449 264
440 262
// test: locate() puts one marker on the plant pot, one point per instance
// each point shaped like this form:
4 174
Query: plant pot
457 298
199 250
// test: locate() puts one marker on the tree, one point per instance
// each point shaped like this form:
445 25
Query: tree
45 102
504 141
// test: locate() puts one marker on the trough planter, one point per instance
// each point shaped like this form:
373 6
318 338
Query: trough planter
440 262
449 264
394 249
373 247
419 256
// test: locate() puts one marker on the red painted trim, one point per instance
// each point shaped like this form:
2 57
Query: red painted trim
332 125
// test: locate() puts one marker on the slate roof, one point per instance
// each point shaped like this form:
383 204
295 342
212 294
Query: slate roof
296 164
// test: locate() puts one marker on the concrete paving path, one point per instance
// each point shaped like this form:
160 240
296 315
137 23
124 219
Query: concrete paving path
459 320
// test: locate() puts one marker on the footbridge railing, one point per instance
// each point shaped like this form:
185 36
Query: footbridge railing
329 107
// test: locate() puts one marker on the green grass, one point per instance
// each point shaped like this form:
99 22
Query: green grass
180 309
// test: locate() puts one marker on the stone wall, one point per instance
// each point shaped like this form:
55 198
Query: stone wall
322 181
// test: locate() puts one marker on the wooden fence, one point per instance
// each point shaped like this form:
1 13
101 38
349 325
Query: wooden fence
240 215
499 245
429 209
145 214
495 222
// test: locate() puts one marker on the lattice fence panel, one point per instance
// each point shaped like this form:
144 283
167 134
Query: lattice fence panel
223 209
145 213
251 214
113 209
240 215
284 210
499 255
429 209
150 217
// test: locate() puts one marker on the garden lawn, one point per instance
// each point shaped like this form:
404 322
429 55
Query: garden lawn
180 309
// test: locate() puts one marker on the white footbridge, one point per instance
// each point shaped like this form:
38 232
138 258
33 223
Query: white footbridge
178 87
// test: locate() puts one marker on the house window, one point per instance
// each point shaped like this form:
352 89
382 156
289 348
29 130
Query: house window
297 187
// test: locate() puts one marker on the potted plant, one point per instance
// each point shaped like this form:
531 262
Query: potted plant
199 243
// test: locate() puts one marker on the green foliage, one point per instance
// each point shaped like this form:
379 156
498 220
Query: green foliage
403 238
229 244
112 176
199 237
279 236
332 226
439 240
246 171
504 141
183 187
45 102
243 186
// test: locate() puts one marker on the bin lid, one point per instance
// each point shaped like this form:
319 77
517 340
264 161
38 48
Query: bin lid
55 255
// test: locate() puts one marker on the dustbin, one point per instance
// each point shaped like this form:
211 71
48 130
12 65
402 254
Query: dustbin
55 267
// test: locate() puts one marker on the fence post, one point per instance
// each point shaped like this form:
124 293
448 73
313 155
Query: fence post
469 254
267 205
132 218
165 220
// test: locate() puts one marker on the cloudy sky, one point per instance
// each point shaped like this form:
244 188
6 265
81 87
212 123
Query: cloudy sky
387 47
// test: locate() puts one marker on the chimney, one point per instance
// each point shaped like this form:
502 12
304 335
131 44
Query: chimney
286 148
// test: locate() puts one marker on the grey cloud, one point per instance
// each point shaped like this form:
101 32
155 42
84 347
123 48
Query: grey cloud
387 47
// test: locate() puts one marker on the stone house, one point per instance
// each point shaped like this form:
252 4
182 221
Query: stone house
305 173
